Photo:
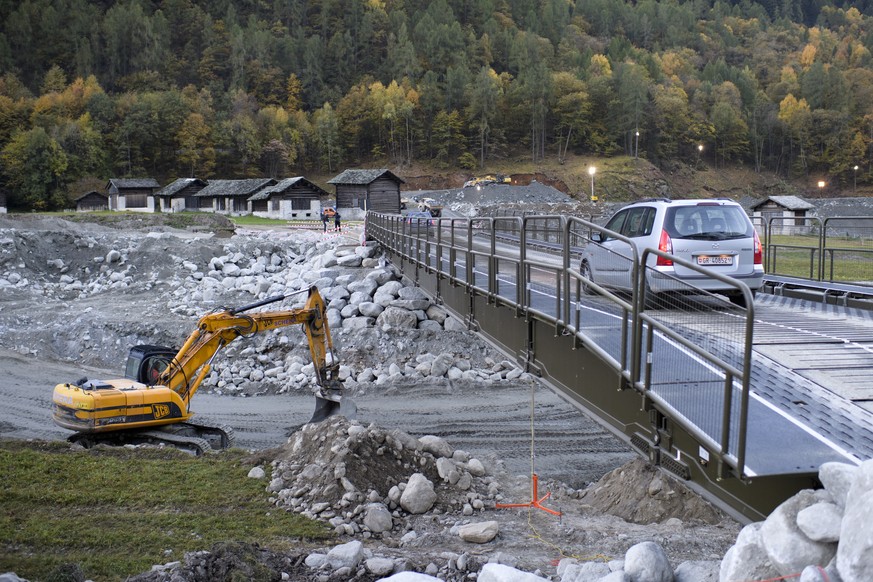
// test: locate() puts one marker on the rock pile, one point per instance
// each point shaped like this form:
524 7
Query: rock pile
823 535
97 273
366 480
361 293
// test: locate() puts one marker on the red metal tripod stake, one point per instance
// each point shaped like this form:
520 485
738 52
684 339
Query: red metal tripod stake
536 502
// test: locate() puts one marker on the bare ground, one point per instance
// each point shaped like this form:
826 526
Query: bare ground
49 334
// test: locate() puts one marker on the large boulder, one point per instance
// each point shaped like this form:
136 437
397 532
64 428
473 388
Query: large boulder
647 562
855 554
397 317
419 495
789 549
746 559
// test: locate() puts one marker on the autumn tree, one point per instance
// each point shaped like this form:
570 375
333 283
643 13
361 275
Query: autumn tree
34 165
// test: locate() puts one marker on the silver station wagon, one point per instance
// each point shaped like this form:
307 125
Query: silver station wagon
714 234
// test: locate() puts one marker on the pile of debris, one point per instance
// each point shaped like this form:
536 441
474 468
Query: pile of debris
366 479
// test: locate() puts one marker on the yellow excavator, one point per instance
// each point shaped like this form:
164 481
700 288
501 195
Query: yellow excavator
152 403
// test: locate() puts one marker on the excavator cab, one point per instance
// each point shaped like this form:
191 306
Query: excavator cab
146 363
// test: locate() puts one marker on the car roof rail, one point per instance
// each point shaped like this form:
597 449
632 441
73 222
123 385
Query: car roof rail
654 200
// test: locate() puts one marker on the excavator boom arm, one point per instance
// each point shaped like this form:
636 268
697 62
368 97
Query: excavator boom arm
191 364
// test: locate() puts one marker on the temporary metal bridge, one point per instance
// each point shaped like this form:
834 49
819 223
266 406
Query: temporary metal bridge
682 382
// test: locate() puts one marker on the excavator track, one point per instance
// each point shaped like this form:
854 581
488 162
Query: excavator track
195 438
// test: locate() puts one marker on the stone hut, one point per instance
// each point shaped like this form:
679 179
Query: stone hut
92 201
231 196
290 198
179 195
782 214
358 191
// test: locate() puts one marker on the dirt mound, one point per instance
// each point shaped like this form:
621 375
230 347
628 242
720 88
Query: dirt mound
639 493
339 466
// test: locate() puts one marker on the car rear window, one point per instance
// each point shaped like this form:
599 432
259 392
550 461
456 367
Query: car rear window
707 221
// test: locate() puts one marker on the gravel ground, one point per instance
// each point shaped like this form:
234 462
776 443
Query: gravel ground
55 329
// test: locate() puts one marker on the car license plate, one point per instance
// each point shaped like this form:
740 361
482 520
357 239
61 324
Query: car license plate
715 260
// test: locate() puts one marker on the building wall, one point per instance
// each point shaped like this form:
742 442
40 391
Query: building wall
288 208
384 196
92 203
784 221
137 194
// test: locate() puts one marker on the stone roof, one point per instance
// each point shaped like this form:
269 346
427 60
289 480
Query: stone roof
235 187
854 207
788 202
86 194
120 183
363 177
178 185
283 185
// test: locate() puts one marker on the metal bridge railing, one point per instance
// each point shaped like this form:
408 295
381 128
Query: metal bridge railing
847 245
689 358
835 250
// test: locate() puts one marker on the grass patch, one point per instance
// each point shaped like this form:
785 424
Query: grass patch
847 259
251 219
115 511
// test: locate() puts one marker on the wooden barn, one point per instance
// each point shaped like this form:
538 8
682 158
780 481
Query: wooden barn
230 196
358 191
179 195
133 194
290 198
92 201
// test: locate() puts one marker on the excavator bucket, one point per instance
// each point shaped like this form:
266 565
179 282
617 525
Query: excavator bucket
325 408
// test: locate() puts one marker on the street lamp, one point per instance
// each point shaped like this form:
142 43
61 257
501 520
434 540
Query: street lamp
591 171
821 185
637 145
699 152
855 184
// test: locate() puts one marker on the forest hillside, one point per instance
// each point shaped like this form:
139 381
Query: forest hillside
93 89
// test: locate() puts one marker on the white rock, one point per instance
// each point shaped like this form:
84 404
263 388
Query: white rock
429 325
379 566
855 553
315 560
346 555
475 467
366 285
257 473
370 309
397 317
787 547
436 446
647 562
821 522
419 495
503 573
377 518
837 479
410 577
444 467
696 571
747 559
441 365
479 533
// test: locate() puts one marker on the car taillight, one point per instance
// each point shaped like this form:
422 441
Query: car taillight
665 245
759 250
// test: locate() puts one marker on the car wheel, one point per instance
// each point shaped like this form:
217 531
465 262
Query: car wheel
739 299
651 300
585 271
